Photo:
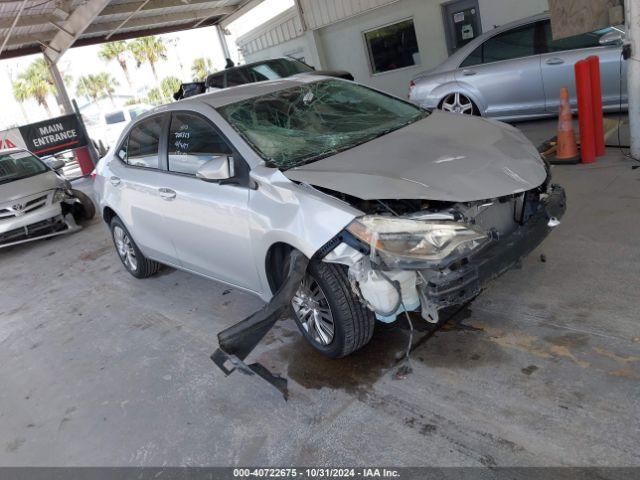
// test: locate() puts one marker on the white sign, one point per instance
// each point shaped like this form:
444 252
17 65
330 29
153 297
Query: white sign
11 139
467 32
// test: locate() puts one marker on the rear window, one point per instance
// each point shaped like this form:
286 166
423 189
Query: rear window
114 117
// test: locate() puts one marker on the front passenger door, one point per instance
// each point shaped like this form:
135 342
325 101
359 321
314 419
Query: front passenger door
209 221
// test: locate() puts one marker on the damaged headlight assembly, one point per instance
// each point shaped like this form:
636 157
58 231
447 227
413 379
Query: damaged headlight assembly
407 243
60 195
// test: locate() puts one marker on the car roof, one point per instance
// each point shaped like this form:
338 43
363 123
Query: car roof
227 96
454 60
248 65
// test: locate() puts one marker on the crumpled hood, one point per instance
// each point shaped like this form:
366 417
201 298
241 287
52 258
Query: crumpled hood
29 186
443 157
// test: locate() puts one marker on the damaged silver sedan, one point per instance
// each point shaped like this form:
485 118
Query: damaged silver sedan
396 207
35 201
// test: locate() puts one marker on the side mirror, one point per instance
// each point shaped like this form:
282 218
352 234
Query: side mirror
57 164
611 38
218 168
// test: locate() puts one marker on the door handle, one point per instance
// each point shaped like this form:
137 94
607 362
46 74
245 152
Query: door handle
468 73
115 181
167 194
555 61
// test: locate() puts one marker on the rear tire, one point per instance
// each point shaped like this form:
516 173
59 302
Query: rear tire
130 255
352 323
459 103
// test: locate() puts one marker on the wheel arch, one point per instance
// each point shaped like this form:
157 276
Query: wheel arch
107 214
274 263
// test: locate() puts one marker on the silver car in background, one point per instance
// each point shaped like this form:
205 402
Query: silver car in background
35 201
516 71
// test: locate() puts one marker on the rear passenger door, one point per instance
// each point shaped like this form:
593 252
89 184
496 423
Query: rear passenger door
558 66
209 221
136 175
505 72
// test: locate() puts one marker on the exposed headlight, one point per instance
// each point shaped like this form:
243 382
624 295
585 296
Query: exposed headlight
401 241
59 196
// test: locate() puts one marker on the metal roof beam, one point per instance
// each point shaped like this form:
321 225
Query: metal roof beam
196 16
120 9
153 5
79 20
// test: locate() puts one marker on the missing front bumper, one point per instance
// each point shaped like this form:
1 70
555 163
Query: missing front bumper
50 227
462 281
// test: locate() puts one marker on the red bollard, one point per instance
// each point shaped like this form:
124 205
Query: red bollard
596 98
585 112
84 160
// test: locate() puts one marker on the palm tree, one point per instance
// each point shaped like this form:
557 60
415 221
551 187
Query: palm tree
35 82
169 86
116 51
155 97
21 94
107 82
148 50
88 86
96 85
201 68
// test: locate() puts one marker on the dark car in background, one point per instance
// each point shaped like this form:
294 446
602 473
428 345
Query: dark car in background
255 72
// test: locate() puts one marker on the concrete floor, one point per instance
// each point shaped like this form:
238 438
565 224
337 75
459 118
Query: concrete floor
98 368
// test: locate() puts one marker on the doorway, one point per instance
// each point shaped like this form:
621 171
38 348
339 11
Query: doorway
461 23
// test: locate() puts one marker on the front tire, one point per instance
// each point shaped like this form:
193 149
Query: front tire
130 255
329 315
86 210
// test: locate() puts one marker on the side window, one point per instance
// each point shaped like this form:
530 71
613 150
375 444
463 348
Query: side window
475 58
216 81
516 43
236 77
586 40
392 47
192 142
142 145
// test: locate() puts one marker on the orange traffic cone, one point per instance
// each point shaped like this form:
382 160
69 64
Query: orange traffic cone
567 150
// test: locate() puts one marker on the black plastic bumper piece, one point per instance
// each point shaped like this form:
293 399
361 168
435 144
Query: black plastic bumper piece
239 340
462 282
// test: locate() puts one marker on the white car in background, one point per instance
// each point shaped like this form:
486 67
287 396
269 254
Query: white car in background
108 127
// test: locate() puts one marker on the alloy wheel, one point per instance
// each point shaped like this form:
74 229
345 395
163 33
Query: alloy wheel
125 249
311 306
458 103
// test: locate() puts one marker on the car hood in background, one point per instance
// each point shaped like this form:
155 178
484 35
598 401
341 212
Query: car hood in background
29 186
443 157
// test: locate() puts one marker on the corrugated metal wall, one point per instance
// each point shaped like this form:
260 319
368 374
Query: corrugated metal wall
319 13
282 28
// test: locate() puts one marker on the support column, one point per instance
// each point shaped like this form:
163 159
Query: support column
62 96
223 42
633 75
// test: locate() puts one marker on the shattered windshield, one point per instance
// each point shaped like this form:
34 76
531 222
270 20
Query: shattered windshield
303 124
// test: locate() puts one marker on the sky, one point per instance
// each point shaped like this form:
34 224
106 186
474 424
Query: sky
182 49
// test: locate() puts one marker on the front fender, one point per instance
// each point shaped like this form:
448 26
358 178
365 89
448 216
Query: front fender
291 213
